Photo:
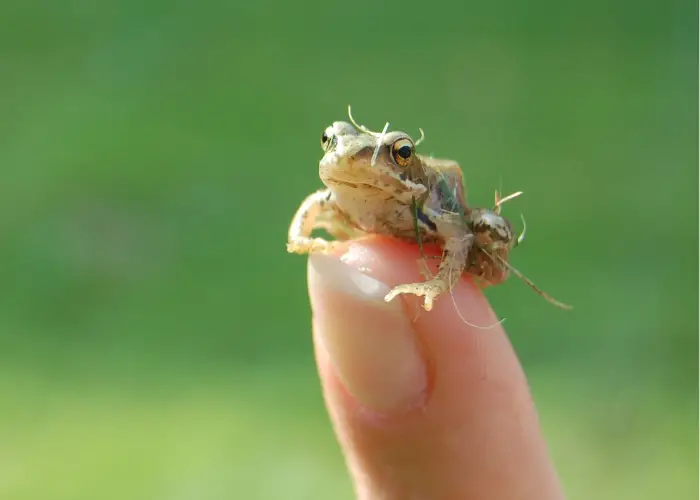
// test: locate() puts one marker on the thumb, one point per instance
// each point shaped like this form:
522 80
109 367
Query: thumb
424 406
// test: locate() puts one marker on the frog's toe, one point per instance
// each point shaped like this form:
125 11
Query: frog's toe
299 247
429 290
311 245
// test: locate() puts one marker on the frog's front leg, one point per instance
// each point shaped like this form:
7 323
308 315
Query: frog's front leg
454 260
312 214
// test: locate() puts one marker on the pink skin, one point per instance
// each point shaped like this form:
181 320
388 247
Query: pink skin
424 406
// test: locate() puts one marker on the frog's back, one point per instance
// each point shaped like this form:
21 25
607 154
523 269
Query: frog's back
445 183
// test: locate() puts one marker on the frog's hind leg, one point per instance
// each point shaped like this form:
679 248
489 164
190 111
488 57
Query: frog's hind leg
454 260
313 214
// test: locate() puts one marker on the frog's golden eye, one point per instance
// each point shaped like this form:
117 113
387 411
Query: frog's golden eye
402 151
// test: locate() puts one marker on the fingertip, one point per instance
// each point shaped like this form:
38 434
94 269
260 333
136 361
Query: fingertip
368 341
474 432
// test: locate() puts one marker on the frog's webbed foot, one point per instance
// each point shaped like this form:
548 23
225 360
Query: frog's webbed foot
452 265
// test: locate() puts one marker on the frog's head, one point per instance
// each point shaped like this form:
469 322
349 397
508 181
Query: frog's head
360 159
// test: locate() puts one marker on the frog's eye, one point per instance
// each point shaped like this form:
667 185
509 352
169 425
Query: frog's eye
327 139
402 151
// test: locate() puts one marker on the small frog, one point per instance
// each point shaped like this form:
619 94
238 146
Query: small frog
377 183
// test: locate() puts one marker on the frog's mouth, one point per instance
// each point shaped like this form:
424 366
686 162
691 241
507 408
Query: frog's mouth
355 170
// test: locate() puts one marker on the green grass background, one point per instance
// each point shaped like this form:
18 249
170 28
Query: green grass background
154 334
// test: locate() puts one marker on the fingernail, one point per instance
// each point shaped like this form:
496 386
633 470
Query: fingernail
370 342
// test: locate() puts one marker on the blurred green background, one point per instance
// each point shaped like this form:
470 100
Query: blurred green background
154 334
